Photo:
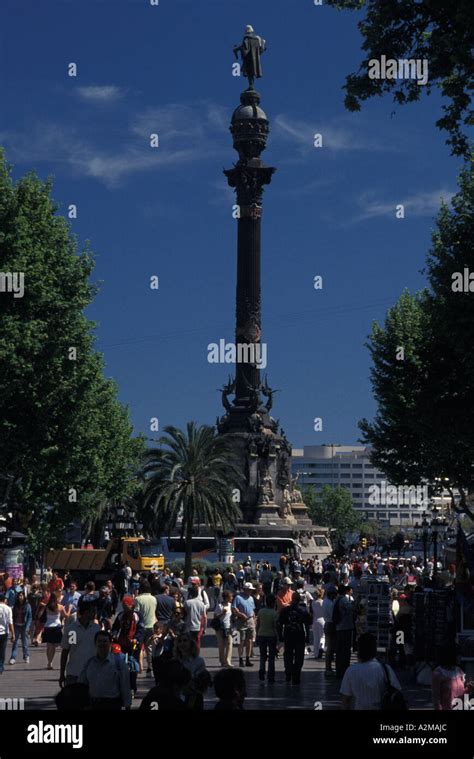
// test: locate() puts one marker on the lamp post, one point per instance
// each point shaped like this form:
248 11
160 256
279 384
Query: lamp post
424 527
439 527
432 530
46 511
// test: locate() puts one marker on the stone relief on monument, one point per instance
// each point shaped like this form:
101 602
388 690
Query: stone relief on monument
266 494
286 506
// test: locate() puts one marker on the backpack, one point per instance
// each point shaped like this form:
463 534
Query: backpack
294 622
393 699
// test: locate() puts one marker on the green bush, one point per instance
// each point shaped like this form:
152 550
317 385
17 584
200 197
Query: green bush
204 568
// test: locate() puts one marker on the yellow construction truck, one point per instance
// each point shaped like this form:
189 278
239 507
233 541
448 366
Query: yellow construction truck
100 564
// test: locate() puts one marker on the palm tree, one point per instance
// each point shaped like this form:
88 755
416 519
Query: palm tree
189 480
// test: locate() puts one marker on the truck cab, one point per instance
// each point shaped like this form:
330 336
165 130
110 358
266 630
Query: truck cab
142 555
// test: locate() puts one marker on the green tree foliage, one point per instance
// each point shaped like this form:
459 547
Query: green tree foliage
188 482
440 31
61 426
332 507
398 378
424 426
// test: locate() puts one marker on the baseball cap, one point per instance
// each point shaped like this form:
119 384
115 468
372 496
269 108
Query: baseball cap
248 586
287 581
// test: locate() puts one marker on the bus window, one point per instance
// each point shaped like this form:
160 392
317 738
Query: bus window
178 545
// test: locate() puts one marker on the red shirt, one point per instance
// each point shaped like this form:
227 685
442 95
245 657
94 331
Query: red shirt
55 584
284 598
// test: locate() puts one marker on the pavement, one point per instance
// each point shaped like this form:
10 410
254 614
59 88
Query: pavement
38 686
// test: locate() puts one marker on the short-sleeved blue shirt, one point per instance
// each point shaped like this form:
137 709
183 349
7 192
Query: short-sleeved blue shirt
244 605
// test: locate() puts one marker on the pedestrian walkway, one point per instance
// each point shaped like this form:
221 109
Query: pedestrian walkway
38 686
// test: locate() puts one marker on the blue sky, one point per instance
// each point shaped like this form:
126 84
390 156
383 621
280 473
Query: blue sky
168 212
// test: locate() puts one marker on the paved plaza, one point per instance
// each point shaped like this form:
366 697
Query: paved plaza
38 686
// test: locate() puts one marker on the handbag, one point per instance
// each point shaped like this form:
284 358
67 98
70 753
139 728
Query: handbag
393 699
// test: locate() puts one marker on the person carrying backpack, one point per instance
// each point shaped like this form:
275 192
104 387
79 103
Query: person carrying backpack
370 685
128 631
293 630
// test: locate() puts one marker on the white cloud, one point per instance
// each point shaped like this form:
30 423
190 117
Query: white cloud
419 204
223 195
182 122
113 168
187 134
100 93
334 136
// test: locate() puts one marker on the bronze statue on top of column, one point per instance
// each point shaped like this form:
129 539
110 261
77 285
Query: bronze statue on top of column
251 50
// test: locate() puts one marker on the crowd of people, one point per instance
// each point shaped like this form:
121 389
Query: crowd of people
154 623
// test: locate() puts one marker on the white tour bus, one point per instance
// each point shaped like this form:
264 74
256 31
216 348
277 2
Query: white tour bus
259 549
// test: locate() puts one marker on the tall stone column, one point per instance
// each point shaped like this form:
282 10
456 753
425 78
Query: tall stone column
249 129
260 445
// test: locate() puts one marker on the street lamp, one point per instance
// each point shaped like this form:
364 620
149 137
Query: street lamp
439 527
423 531
432 530
47 509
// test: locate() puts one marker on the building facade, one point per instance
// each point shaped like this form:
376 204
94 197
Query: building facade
349 466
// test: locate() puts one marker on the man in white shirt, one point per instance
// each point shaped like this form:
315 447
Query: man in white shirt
128 573
78 643
107 677
195 615
365 683
6 626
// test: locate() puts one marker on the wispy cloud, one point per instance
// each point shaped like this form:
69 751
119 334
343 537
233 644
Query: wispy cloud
182 122
187 133
335 137
315 185
425 203
223 194
107 93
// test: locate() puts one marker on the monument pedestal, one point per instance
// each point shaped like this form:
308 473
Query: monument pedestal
269 514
